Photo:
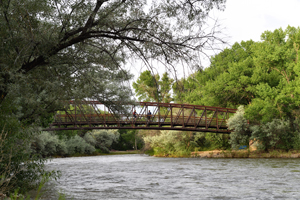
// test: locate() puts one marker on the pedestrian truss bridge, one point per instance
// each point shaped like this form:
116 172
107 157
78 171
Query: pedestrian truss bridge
164 116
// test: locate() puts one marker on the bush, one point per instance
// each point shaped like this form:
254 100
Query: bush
128 139
171 143
105 138
20 168
276 134
45 143
48 144
77 144
217 141
241 132
88 137
296 140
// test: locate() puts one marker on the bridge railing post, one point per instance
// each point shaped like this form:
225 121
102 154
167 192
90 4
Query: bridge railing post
158 115
161 120
182 107
171 108
217 118
205 113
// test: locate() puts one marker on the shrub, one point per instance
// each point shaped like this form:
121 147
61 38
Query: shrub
128 140
88 137
296 140
241 132
217 141
61 148
48 144
77 144
171 143
105 138
20 168
276 134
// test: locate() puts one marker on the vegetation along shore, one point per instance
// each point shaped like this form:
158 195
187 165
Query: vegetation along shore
56 52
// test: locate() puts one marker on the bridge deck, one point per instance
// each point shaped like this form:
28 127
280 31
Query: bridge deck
165 116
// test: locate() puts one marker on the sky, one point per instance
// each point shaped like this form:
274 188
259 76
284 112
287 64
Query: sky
248 19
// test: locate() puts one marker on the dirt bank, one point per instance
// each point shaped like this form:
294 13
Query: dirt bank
245 154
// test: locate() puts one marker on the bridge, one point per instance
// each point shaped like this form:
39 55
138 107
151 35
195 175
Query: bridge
164 116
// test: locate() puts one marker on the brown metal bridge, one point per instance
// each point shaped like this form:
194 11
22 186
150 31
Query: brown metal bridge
164 116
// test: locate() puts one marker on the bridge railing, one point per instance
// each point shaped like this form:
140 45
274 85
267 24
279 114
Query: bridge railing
165 116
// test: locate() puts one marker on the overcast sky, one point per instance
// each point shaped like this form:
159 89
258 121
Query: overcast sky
248 19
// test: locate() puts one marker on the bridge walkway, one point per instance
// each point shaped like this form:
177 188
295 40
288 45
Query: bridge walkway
164 116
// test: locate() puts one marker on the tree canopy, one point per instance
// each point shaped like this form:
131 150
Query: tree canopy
262 80
153 88
53 51
264 76
64 49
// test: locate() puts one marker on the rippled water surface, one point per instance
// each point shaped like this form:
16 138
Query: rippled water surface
144 177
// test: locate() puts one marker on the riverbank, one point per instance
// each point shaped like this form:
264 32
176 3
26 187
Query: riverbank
100 154
208 154
245 154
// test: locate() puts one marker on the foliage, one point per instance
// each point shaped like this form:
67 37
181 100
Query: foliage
240 134
217 141
48 144
264 78
225 83
296 140
208 141
178 143
78 145
88 137
150 87
127 140
201 140
276 134
105 138
54 51
62 50
171 143
20 168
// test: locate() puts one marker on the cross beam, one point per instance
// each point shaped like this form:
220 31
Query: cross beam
164 116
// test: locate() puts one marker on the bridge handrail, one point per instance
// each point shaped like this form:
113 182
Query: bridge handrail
213 108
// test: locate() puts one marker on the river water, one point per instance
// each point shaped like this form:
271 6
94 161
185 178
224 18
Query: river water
144 177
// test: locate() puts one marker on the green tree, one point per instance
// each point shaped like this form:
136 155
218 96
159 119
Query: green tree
240 129
152 88
226 83
276 60
128 140
55 50
171 143
264 77
105 138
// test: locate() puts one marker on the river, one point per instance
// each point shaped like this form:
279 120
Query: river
145 177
